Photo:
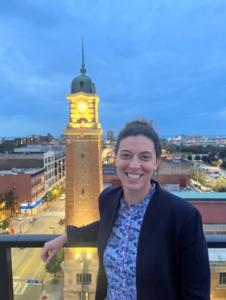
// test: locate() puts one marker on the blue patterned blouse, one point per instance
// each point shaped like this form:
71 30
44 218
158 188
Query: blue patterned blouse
121 250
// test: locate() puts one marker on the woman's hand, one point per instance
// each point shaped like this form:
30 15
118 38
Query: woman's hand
51 248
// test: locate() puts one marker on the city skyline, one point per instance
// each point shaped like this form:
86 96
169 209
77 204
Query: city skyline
161 60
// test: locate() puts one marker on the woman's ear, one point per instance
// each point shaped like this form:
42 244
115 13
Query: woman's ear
158 160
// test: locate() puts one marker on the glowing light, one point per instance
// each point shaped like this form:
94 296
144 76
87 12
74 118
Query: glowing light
82 107
77 255
88 255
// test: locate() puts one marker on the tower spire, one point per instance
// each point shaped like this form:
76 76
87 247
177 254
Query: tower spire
83 70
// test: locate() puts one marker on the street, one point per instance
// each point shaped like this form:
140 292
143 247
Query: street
27 264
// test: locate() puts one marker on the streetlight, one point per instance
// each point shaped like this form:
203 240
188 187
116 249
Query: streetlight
55 192
53 229
47 198
20 223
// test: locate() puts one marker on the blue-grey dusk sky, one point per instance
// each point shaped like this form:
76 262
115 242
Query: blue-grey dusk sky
161 59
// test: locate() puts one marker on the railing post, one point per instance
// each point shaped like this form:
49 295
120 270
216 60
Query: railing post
6 276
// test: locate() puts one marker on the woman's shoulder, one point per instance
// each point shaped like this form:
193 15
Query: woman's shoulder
109 196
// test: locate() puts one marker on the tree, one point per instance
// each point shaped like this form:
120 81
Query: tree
169 150
222 153
197 157
206 159
9 200
54 265
193 172
189 157
2 202
4 225
213 161
201 178
212 150
193 149
220 185
223 165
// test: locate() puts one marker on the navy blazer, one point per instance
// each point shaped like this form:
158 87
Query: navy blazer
172 255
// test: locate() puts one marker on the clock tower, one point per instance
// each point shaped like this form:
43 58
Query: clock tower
84 181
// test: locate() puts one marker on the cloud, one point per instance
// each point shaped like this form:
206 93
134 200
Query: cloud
161 59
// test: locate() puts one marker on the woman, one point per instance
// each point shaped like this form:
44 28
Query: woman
151 243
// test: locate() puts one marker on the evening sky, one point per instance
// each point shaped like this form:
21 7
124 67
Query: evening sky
161 59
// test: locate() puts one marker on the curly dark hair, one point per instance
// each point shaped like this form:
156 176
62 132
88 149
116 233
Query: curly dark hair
140 127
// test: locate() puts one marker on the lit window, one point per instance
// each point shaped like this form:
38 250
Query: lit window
14 186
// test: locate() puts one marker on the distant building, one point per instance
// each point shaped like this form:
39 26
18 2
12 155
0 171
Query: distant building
27 184
33 140
110 135
167 172
52 158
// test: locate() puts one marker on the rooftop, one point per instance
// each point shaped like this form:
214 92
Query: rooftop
201 196
16 171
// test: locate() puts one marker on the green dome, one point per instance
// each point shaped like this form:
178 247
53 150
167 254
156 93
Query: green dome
83 84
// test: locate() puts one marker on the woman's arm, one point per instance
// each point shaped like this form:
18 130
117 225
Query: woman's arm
51 248
74 235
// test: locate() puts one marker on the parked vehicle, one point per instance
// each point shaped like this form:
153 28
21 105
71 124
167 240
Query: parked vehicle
62 221
213 175
62 197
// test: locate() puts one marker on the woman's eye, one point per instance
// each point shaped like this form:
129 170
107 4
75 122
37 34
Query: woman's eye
125 155
145 157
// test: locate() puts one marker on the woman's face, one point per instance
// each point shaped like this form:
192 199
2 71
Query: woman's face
136 160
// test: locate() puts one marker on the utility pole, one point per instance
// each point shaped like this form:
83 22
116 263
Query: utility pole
20 223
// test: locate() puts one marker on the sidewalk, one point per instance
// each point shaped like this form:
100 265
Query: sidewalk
54 291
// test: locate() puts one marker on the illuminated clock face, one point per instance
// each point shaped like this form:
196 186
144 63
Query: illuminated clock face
82 107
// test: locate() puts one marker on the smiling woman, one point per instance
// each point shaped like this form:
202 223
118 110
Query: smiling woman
151 243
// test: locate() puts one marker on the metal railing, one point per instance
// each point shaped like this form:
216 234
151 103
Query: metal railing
37 241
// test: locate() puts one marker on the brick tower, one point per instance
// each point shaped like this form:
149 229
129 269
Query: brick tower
84 180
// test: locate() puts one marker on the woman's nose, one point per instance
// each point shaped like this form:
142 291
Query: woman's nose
134 163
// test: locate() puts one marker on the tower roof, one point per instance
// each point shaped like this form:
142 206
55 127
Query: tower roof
83 83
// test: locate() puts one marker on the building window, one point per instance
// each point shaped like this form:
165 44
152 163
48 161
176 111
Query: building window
222 278
83 192
82 155
14 186
83 278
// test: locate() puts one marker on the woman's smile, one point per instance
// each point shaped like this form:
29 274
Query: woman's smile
136 161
